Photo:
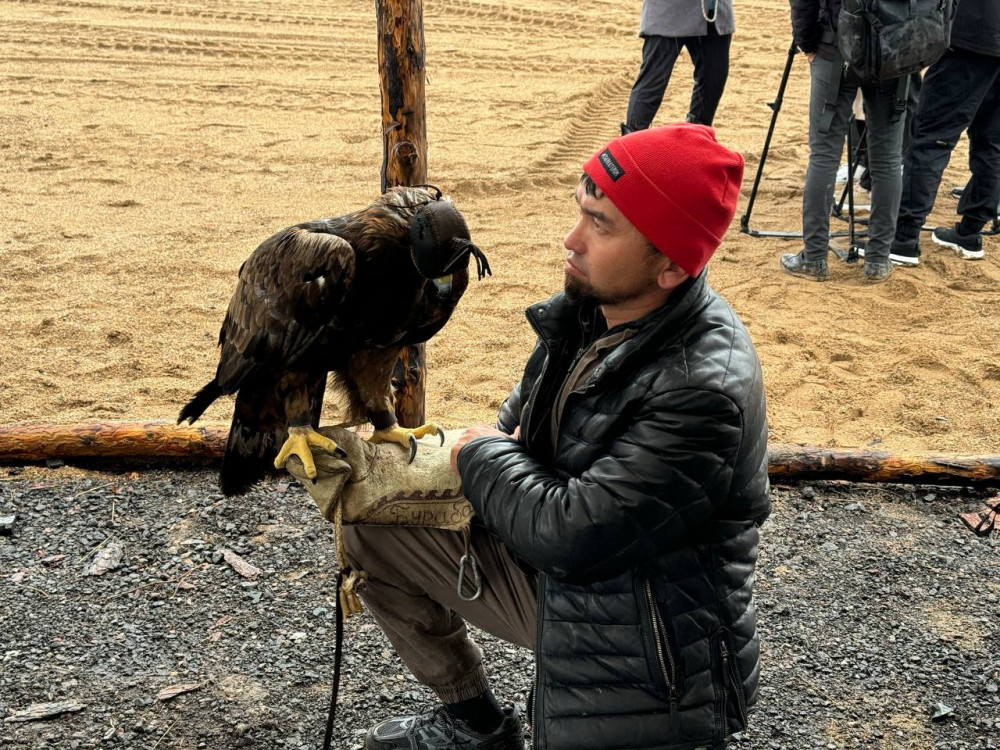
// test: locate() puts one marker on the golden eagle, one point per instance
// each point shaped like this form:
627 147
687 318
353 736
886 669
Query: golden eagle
341 296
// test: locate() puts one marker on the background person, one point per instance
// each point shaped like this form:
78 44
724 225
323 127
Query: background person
706 28
961 91
831 94
620 498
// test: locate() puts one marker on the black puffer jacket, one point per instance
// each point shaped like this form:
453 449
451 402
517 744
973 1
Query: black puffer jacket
642 521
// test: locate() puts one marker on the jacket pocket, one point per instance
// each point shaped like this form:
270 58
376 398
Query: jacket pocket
734 701
659 653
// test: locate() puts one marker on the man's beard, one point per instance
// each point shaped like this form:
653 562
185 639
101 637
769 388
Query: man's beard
581 292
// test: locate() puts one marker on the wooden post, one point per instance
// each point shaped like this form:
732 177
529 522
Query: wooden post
409 385
401 70
404 149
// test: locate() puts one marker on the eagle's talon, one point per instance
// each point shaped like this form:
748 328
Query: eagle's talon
406 437
340 452
301 442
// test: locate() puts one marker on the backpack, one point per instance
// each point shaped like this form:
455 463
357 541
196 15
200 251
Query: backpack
884 39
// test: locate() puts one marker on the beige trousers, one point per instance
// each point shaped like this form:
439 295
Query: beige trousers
411 592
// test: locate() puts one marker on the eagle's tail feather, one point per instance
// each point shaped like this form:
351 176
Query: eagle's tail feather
201 401
251 448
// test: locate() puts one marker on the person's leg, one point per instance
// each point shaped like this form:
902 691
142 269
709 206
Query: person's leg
710 56
827 130
825 149
912 102
411 593
885 139
978 204
659 53
953 89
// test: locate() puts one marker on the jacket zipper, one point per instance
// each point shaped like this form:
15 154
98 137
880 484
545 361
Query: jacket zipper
535 718
664 655
731 678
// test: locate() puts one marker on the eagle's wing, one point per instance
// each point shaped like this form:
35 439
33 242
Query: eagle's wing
288 293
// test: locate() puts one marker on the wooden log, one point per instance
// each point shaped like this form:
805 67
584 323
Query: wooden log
150 441
131 440
400 25
792 462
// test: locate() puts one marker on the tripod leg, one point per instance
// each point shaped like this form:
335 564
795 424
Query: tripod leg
838 209
775 108
852 250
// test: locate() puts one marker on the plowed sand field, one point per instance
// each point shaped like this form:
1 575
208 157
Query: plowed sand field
147 148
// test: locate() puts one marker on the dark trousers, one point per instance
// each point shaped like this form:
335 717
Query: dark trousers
961 91
710 55
826 144
913 89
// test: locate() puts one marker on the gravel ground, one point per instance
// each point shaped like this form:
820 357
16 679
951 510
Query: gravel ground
875 604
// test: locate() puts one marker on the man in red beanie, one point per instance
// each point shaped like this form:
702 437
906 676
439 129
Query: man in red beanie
619 500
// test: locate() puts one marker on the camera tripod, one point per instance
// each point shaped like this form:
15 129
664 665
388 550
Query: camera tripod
853 154
851 255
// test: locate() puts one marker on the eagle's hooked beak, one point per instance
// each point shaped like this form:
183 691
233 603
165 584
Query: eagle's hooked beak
443 285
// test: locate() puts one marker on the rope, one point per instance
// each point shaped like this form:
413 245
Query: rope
704 11
348 603
337 655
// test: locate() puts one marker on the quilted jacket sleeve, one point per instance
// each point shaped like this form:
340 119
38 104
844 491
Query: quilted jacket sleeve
805 24
509 417
655 484
510 412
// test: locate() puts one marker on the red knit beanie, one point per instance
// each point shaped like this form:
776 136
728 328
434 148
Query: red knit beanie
676 184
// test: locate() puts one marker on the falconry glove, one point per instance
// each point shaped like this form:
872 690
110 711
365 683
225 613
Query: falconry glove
375 484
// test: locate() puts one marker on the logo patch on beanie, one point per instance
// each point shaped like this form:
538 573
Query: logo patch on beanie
613 168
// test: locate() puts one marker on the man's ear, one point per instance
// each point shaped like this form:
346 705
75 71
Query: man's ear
671 275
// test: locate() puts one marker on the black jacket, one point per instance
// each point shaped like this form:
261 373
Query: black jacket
642 522
977 27
810 19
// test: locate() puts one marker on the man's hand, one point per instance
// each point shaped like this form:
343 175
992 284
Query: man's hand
472 433
810 56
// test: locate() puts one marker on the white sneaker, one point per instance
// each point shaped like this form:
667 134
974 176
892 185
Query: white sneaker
842 172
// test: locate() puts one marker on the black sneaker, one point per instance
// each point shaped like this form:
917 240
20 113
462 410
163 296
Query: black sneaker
900 253
797 265
969 246
905 253
437 729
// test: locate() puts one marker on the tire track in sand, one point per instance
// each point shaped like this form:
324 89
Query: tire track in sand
590 123
71 40
165 10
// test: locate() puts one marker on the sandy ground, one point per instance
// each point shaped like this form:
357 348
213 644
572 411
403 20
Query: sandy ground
146 148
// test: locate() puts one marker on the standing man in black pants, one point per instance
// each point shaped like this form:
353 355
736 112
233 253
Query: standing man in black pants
961 91
706 28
